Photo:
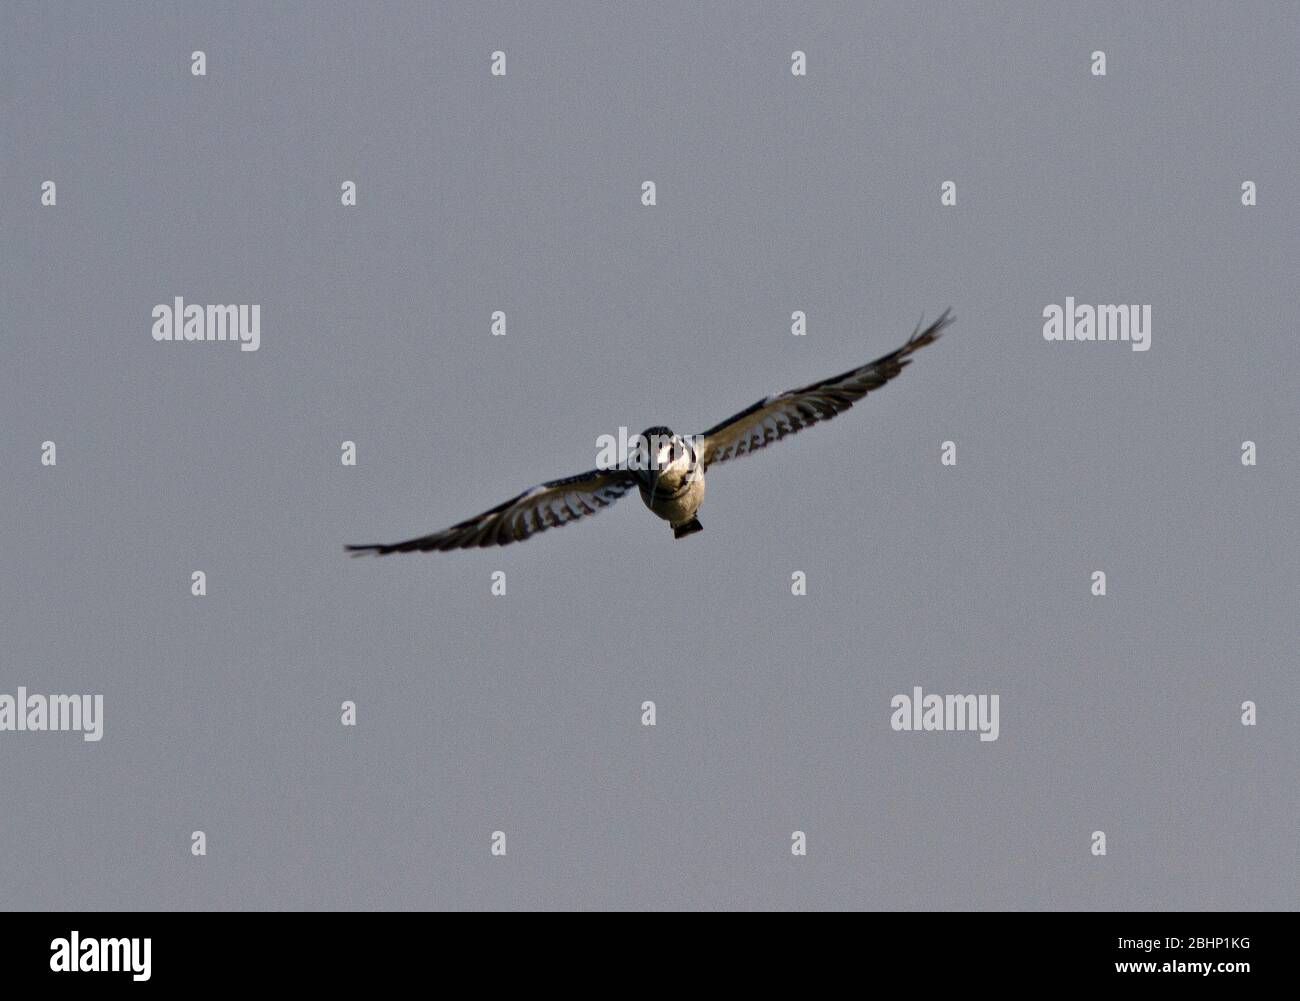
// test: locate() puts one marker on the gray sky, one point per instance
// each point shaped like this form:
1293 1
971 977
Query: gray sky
522 713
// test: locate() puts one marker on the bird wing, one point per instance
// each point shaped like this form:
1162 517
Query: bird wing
774 417
556 503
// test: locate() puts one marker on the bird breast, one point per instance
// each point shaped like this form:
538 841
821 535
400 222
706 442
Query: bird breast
675 498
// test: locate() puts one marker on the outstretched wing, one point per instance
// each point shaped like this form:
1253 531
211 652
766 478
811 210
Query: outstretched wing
556 503
774 417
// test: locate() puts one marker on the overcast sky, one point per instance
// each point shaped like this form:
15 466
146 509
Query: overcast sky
522 713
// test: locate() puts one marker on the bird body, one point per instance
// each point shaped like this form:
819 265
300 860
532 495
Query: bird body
669 469
672 486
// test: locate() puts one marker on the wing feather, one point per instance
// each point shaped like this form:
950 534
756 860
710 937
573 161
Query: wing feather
545 506
774 417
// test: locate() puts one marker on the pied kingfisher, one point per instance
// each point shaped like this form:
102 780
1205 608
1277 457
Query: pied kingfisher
671 475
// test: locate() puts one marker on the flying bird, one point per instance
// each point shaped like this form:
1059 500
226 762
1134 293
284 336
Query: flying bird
668 469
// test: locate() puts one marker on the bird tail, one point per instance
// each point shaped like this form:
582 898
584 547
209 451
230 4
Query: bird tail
687 528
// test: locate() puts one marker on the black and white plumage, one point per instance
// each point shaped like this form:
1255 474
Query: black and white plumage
672 485
544 506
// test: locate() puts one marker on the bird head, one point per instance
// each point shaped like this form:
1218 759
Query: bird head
661 449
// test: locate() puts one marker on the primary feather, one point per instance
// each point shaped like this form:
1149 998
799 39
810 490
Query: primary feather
774 417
